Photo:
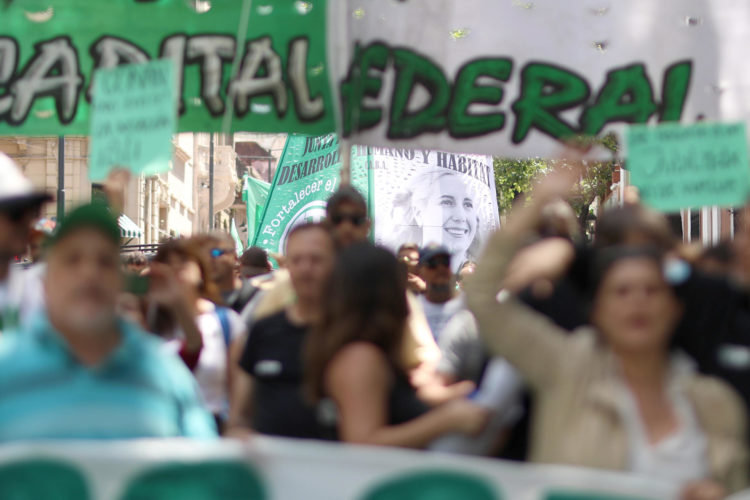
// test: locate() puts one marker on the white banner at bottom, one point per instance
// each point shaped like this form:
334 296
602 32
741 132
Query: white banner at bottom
280 469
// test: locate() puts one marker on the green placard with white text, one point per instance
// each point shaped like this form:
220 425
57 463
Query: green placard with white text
681 166
134 115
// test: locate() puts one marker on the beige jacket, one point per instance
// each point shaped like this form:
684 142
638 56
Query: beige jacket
577 389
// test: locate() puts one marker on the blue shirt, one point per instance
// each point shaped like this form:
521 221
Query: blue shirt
138 391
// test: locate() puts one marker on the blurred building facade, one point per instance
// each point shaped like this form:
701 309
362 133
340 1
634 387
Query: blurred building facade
171 204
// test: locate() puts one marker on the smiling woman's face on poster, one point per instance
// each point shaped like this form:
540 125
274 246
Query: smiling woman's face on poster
423 197
448 215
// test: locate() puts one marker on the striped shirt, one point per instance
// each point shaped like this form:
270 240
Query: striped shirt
138 391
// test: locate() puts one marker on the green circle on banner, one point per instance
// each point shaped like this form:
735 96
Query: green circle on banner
434 485
579 495
203 481
42 479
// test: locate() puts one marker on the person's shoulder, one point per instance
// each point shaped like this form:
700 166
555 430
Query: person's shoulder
151 355
271 322
462 324
14 346
149 349
709 393
457 303
358 360
358 354
270 326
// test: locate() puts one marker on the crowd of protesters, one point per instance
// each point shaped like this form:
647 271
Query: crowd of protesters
631 353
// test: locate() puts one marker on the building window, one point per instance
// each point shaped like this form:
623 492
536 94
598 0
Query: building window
178 168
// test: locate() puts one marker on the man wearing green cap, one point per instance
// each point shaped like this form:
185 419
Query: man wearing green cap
81 372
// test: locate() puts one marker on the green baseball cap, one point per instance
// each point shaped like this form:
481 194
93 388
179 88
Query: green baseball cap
96 215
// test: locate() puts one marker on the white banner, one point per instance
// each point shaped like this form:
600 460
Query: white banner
514 77
422 197
279 469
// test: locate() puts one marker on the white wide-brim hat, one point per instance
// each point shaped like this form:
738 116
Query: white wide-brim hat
16 191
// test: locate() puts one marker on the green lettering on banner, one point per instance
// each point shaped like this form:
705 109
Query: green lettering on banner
413 69
281 84
206 480
675 90
547 90
682 166
467 91
434 485
63 480
627 96
360 84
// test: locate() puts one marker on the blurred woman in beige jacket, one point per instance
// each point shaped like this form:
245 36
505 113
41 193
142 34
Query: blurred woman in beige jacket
612 396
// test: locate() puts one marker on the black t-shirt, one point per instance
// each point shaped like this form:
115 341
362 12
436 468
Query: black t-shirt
403 406
273 357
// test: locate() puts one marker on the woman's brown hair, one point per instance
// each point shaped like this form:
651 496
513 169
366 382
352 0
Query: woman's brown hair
188 250
365 301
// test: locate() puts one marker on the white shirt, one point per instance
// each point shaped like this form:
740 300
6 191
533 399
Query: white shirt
211 370
680 457
21 295
438 315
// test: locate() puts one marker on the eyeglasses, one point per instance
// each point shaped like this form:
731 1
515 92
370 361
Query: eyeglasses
356 220
218 252
437 261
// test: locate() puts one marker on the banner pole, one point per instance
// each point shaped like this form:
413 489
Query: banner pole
211 182
60 177
345 149
339 15
244 22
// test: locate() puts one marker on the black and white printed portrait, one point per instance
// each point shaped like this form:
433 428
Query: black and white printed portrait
439 206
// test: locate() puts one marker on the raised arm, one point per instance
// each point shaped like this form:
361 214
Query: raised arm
533 344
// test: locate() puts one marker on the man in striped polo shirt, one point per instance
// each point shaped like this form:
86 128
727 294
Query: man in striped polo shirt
79 371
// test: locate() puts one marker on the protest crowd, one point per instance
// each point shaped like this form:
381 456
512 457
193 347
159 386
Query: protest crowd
476 250
622 354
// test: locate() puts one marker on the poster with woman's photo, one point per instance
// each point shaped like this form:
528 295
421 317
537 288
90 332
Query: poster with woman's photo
422 197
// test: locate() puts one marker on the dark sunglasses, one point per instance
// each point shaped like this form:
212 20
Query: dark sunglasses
437 261
218 252
356 220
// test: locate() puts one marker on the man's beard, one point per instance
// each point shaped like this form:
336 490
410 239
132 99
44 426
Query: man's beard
87 324
442 288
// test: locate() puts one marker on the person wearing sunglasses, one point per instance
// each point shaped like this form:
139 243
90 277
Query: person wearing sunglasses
20 203
221 254
440 301
346 215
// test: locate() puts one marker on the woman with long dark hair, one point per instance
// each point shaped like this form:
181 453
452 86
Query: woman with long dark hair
353 359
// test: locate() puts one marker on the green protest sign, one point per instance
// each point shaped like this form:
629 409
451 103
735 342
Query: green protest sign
307 175
676 166
254 194
133 118
268 74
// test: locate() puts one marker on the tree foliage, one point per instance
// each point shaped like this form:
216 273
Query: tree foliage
515 177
